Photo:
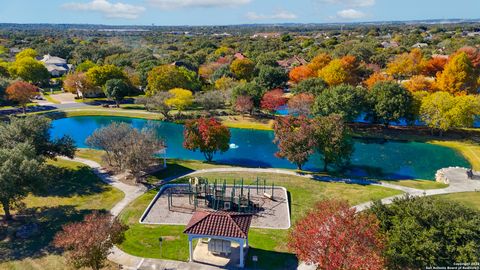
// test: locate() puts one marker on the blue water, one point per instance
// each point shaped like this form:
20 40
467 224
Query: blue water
254 148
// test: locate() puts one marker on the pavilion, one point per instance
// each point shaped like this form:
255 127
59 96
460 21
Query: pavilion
221 226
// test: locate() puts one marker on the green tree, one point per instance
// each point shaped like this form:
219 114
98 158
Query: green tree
85 66
389 102
99 75
345 100
27 53
19 174
333 140
166 77
116 89
250 89
29 69
443 111
313 86
244 69
426 231
272 77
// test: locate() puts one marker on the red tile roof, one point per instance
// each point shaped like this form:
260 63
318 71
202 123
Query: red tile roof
225 224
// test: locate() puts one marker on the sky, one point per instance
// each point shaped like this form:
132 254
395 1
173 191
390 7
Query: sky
226 12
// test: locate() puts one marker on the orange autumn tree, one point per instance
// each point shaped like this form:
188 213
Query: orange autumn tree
300 73
434 65
320 61
419 83
406 64
338 71
377 77
22 93
333 236
458 76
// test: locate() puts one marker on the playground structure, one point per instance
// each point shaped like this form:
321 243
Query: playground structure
220 196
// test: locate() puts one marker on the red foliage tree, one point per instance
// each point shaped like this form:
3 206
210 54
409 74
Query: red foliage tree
473 54
21 92
89 242
206 135
272 100
243 104
300 73
295 139
434 65
333 236
301 104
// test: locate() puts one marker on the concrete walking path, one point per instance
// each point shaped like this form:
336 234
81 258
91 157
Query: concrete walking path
456 177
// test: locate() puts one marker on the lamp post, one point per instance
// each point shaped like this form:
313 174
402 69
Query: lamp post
160 240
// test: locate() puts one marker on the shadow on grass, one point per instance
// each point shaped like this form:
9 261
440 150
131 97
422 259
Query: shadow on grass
173 170
49 220
67 182
270 259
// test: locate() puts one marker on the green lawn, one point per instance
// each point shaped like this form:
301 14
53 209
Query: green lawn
470 150
269 245
71 192
418 184
470 199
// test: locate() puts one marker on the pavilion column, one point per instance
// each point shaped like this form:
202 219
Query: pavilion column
190 248
242 256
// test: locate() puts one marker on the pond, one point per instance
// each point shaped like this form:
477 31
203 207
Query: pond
379 159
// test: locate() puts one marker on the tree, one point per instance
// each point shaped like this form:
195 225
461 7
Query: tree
272 100
334 73
333 236
301 104
243 69
167 77
127 148
272 77
243 104
443 111
116 89
210 100
28 69
22 93
333 140
180 98
419 83
390 102
99 75
19 174
314 86
406 64
473 55
435 65
77 83
85 66
250 89
157 102
377 77
26 53
345 100
294 138
89 242
300 73
207 135
320 61
225 83
426 231
458 75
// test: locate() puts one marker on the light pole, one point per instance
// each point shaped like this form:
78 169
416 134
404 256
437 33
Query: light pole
160 240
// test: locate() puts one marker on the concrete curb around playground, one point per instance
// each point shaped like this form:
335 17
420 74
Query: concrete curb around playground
456 176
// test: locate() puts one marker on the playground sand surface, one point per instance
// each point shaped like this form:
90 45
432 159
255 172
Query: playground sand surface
273 214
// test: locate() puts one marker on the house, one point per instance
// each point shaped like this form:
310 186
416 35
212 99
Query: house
290 63
266 35
56 66
239 56
420 45
391 44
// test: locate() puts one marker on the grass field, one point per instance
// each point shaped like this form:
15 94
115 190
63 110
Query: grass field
469 150
71 192
418 184
269 245
470 199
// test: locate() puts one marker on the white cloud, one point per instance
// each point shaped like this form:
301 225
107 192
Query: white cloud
351 3
350 14
279 15
173 4
108 9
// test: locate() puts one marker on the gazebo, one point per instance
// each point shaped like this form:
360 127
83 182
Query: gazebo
219 225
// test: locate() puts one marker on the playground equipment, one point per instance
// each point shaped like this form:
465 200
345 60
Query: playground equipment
220 196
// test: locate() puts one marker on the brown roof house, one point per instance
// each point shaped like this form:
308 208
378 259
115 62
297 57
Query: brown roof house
290 63
222 226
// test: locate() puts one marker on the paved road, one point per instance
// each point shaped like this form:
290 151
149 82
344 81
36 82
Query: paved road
456 177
